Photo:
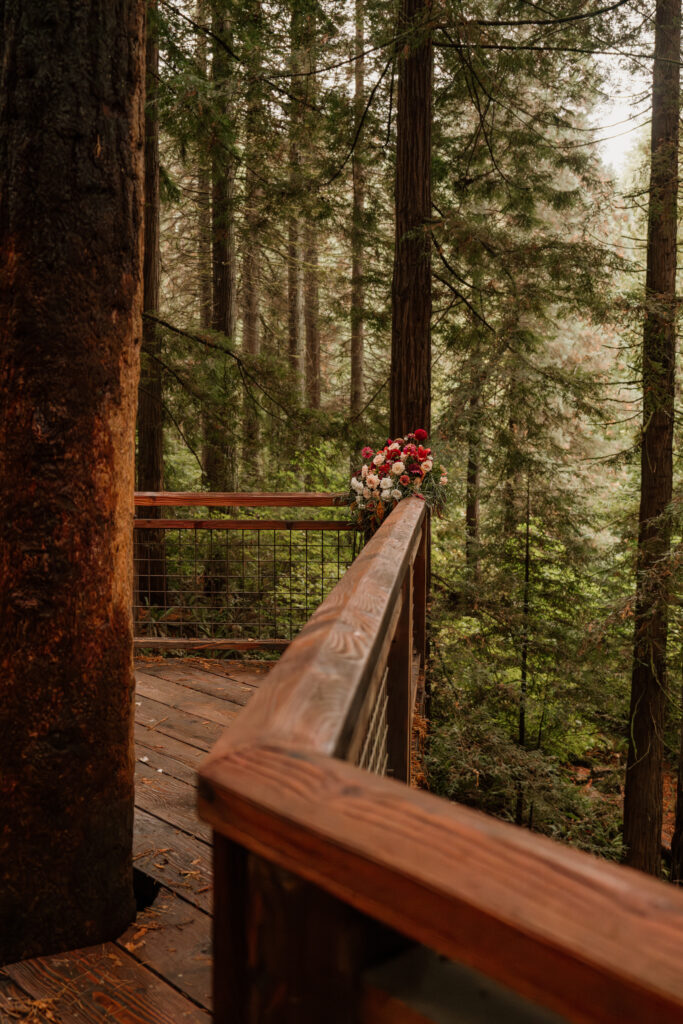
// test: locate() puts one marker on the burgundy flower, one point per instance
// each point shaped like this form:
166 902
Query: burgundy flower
421 434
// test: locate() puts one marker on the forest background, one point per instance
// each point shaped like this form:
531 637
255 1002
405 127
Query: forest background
270 176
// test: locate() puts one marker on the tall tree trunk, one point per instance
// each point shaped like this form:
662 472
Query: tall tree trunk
472 530
71 188
295 306
218 456
643 790
251 338
312 317
204 189
357 288
411 292
524 667
677 839
150 555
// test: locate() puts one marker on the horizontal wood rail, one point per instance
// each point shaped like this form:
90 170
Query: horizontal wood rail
243 524
323 868
227 499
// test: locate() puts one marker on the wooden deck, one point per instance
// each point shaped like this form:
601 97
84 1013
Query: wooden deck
160 969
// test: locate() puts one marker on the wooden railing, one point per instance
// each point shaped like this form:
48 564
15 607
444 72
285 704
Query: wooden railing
325 872
223 581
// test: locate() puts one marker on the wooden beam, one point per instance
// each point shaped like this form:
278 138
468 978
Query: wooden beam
255 499
243 524
597 942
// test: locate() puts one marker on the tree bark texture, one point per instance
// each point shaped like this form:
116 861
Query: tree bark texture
643 789
71 187
218 455
358 171
251 269
150 558
223 186
312 317
411 286
295 308
473 480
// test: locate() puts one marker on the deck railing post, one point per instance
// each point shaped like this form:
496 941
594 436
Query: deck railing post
285 951
399 687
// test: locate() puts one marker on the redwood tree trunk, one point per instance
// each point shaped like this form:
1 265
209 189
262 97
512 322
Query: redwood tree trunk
411 286
357 290
150 557
643 790
294 262
251 289
71 187
311 318
218 455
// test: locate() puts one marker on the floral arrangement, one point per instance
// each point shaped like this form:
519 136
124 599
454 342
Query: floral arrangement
403 467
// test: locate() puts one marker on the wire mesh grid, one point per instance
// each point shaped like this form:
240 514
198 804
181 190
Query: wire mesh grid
374 755
246 583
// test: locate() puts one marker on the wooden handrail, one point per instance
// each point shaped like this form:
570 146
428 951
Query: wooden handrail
316 690
593 941
227 499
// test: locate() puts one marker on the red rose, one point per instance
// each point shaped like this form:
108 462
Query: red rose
421 434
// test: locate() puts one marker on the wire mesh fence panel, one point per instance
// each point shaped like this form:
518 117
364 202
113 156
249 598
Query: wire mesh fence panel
374 753
235 580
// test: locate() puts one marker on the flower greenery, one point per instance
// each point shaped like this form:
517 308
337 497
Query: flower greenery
403 468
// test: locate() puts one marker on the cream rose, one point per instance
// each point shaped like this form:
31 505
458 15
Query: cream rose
379 458
396 494
397 468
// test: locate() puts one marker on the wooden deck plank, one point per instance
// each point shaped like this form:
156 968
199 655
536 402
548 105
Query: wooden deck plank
175 758
238 688
173 938
177 860
15 1004
169 799
182 698
159 718
103 985
150 742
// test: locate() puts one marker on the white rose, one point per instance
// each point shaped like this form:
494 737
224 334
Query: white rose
443 480
427 465
366 492
384 483
379 458
396 494
364 472
397 468
356 484
372 480
394 447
